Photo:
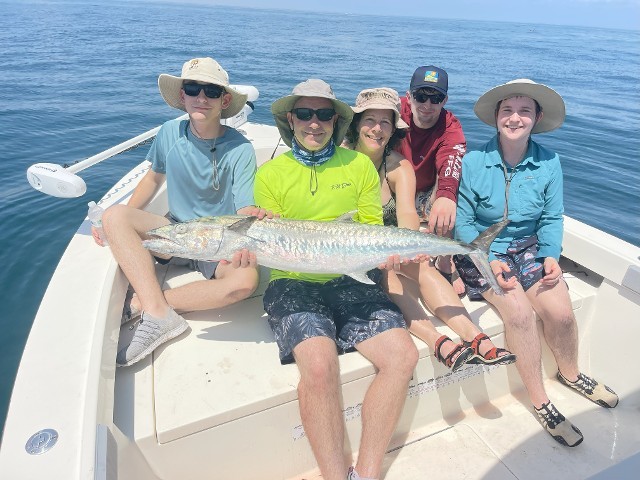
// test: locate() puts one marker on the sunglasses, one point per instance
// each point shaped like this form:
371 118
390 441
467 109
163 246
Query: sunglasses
434 98
306 114
210 91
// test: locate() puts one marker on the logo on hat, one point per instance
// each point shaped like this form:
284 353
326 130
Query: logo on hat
431 76
193 64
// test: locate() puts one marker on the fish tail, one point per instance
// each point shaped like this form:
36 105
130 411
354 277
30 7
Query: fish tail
480 257
481 261
486 238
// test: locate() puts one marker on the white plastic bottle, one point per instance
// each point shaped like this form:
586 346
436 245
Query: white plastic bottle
95 217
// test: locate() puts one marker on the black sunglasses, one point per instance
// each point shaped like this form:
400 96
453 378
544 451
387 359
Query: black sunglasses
434 98
306 114
211 91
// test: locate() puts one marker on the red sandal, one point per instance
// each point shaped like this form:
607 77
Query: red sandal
492 357
464 354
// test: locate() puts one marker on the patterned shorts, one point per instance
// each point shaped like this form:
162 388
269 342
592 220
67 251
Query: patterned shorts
521 258
342 309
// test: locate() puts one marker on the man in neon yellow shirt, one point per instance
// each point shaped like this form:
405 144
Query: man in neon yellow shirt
316 317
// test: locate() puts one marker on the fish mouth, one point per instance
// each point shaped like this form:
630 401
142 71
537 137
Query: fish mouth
161 245
162 238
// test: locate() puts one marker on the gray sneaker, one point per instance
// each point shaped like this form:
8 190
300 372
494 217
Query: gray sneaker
561 429
150 334
352 474
594 391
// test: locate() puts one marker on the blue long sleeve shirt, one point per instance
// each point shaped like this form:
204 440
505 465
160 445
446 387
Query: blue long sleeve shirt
535 198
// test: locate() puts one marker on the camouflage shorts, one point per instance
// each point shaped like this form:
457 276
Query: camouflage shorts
342 309
521 259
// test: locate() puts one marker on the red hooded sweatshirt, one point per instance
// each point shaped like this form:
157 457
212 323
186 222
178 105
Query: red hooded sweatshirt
435 152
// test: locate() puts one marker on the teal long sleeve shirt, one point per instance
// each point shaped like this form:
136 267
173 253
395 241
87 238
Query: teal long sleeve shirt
535 198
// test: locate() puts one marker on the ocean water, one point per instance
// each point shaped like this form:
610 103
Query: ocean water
78 78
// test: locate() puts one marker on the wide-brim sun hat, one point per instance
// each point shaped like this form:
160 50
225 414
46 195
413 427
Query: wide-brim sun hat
205 70
311 88
380 99
550 101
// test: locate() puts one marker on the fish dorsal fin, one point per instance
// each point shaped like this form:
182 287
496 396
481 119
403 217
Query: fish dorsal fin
346 217
242 226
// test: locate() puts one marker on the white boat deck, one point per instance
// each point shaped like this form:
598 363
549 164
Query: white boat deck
221 387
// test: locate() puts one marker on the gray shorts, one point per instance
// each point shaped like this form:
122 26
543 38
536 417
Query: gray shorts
206 268
342 309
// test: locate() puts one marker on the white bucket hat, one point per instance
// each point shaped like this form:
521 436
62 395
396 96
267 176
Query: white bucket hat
311 88
380 98
200 70
549 100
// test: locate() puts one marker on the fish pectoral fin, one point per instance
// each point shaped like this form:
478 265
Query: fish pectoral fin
361 277
347 217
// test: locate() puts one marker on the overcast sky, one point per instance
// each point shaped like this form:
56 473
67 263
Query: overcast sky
623 14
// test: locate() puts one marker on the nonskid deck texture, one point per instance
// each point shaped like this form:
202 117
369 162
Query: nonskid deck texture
219 394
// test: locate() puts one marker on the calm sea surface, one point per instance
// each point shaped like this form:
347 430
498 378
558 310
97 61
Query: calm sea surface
79 78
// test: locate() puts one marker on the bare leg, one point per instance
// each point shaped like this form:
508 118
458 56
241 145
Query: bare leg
231 284
125 227
522 337
553 304
395 356
320 409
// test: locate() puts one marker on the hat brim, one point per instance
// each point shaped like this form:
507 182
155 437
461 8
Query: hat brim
284 105
170 87
550 101
401 124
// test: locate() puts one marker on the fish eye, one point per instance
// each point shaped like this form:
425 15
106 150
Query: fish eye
181 229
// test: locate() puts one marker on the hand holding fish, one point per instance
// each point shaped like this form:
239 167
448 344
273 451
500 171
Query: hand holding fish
394 262
261 213
242 259
499 269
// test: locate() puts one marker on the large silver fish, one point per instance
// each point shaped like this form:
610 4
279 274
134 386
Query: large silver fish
341 246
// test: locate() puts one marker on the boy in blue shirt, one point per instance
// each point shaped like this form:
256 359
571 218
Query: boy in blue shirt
514 177
209 169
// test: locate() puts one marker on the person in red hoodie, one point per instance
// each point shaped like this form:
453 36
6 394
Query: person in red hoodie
434 145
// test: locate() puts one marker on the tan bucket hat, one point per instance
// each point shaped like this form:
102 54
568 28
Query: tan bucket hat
311 88
549 100
201 70
383 98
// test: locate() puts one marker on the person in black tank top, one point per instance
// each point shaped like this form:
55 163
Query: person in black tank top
375 129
